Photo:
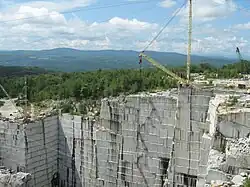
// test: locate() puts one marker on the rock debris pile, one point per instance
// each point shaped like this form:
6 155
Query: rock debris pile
239 147
11 179
237 181
237 154
215 159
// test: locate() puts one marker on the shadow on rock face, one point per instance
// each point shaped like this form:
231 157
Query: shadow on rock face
55 180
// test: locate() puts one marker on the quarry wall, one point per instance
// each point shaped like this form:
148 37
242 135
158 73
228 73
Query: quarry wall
139 140
31 148
70 150
12 151
41 142
132 144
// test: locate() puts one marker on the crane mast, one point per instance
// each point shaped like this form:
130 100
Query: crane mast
163 68
189 40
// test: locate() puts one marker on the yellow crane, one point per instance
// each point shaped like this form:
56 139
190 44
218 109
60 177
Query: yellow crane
180 80
163 68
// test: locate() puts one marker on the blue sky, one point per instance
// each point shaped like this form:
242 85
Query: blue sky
219 25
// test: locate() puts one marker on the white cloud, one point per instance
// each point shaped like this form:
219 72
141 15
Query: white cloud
52 17
244 26
117 33
54 30
208 10
57 5
133 24
167 3
215 44
58 31
155 46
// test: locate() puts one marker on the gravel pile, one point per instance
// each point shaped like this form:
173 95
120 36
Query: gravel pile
10 179
215 159
239 147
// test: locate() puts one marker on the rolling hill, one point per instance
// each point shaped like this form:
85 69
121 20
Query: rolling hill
68 60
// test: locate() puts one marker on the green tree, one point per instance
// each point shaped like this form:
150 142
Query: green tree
247 183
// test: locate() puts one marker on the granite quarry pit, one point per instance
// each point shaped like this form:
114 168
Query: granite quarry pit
187 137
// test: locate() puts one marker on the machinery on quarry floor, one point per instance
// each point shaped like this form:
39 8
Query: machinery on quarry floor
241 61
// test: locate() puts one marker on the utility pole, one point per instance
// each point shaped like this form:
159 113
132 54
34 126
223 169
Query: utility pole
189 40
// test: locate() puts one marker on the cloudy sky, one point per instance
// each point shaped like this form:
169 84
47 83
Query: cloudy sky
219 25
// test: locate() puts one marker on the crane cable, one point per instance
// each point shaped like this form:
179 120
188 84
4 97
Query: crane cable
165 26
80 10
159 33
11 100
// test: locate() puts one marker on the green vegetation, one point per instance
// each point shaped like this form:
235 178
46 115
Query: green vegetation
235 70
232 101
247 183
16 71
103 83
89 85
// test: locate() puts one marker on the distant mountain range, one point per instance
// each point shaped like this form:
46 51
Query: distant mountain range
68 60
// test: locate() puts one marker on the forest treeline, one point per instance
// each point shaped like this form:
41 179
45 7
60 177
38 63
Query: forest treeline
17 71
104 83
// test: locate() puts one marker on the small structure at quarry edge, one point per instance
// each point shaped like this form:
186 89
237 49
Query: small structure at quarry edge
187 137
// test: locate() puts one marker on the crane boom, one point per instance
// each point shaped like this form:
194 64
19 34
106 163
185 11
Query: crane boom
170 73
163 68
